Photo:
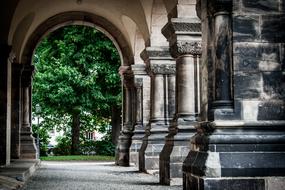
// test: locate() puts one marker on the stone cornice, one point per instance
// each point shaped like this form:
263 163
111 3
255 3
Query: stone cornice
182 26
166 69
139 69
156 53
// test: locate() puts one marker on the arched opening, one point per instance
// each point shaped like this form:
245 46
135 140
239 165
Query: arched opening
26 66
76 90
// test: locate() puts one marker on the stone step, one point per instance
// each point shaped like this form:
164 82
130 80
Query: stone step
20 169
9 183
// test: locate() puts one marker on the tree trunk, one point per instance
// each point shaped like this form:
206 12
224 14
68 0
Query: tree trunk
75 133
116 123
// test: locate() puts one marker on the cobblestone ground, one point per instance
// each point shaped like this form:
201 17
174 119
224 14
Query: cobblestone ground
91 175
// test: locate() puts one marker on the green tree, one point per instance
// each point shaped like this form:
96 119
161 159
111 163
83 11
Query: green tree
76 81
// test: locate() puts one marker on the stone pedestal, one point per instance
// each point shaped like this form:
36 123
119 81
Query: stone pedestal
236 155
183 32
162 71
142 86
28 147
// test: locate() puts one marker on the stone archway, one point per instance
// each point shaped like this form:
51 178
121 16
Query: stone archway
23 72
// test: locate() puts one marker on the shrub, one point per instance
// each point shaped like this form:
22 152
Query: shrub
63 147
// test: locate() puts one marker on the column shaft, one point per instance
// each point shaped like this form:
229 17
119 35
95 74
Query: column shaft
223 59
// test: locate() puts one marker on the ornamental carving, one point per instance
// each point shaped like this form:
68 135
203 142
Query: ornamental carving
163 68
186 47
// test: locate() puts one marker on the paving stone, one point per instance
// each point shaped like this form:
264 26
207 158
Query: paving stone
92 175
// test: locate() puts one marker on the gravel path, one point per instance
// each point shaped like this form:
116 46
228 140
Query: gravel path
91 175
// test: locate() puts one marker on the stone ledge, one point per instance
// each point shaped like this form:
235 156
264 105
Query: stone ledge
19 170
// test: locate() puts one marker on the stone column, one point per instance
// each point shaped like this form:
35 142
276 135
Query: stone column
184 35
28 146
222 58
125 138
5 93
16 101
142 86
162 72
242 145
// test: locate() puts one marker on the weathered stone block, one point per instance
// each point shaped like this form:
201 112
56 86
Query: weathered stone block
273 85
247 85
245 28
259 6
271 110
257 56
275 183
233 184
272 28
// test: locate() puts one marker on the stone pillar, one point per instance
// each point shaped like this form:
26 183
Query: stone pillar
184 35
162 72
5 101
16 101
242 145
142 111
125 138
28 146
222 59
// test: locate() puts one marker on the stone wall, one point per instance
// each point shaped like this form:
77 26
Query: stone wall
258 52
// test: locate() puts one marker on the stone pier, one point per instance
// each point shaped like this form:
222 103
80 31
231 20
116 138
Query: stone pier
142 102
183 32
162 72
27 143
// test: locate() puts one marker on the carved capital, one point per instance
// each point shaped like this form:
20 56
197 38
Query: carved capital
186 47
166 69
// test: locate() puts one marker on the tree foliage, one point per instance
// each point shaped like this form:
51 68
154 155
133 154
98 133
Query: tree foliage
76 72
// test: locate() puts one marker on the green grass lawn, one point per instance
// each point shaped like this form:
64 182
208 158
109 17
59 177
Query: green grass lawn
78 158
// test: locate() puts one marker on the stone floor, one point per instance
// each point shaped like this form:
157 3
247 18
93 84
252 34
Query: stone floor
91 175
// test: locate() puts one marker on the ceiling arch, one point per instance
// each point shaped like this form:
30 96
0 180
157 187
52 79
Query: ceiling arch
77 18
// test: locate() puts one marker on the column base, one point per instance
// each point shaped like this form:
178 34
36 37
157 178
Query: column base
253 183
142 154
28 146
236 155
174 152
122 157
153 149
136 146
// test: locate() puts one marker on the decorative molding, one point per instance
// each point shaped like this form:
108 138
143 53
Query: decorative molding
186 47
182 27
163 68
139 69
156 53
